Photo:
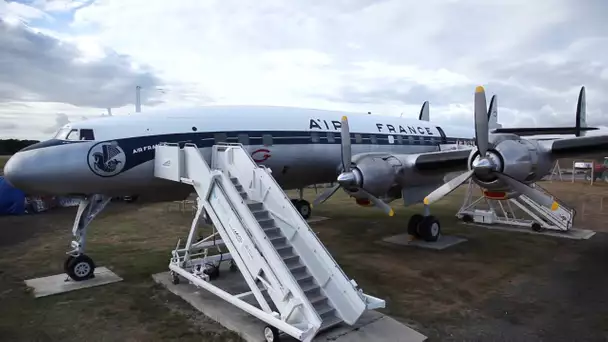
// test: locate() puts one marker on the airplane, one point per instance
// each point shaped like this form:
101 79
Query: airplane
383 158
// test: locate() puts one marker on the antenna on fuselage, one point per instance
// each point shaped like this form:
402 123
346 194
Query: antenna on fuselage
137 99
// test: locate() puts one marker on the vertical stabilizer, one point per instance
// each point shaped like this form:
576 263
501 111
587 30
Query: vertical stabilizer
424 112
581 113
493 113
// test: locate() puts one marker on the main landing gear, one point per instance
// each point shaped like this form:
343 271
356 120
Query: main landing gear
425 227
78 266
302 205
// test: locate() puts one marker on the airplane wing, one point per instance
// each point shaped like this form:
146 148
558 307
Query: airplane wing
440 162
576 147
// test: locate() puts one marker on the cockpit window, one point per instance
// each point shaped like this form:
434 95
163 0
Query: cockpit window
73 135
62 133
87 134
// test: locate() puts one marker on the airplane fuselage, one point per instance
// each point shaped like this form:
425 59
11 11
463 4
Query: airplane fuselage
114 155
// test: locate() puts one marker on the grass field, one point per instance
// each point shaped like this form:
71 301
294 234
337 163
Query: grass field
496 286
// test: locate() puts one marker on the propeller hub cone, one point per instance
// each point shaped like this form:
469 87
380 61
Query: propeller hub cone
347 179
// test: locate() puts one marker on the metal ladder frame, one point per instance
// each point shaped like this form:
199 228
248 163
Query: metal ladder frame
502 212
298 318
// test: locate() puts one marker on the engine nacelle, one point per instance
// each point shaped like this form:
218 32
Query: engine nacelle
375 174
521 159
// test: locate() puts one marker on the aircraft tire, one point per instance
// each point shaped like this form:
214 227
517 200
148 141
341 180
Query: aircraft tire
429 228
412 225
303 208
80 268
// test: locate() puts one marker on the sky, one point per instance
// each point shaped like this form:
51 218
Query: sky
65 61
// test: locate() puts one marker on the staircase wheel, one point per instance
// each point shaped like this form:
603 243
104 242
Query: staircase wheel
271 334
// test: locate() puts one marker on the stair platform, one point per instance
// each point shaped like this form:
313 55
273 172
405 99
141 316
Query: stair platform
372 326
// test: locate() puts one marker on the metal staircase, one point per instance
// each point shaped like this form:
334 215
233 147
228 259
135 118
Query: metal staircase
299 287
531 214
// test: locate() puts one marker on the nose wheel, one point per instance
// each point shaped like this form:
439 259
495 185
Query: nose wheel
79 268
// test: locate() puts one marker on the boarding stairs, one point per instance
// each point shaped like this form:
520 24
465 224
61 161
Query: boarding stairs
299 287
532 214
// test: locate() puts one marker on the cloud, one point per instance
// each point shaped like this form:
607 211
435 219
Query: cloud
40 68
61 119
7 126
383 56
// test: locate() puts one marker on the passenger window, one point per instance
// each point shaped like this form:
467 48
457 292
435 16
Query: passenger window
358 138
243 139
374 139
87 134
220 138
73 135
315 137
410 139
400 139
267 139
391 139
330 137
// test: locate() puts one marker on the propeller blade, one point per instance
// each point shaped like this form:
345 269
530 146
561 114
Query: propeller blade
326 194
448 187
481 121
535 195
345 144
379 203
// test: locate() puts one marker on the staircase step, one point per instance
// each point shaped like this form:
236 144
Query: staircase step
261 214
267 223
278 240
324 310
243 195
255 206
296 267
310 287
234 180
330 322
239 187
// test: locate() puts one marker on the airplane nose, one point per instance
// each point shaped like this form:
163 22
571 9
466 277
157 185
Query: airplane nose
16 171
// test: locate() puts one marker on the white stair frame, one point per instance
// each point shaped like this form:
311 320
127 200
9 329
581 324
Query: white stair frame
250 249
501 211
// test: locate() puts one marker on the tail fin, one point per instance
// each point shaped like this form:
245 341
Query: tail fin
580 128
425 114
581 114
493 113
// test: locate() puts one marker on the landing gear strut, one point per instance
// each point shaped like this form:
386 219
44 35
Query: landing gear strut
425 227
302 205
78 266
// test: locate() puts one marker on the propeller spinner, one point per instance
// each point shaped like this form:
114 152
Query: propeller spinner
487 165
350 178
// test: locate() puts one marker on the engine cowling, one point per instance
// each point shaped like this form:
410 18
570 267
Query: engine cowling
521 159
373 173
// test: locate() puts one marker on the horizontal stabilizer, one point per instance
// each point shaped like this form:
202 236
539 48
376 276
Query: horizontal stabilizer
579 129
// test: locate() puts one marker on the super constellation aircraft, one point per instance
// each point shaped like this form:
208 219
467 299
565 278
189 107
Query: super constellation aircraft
377 158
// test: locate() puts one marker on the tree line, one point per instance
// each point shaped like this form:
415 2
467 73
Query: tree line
12 146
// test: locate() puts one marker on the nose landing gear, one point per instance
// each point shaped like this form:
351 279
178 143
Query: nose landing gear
78 266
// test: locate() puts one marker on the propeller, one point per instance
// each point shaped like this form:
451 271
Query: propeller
348 179
485 167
